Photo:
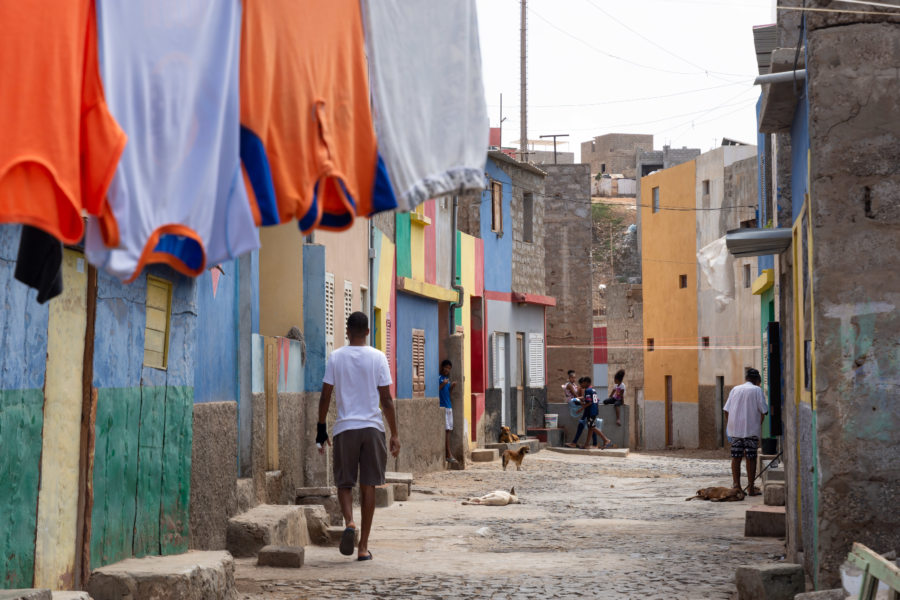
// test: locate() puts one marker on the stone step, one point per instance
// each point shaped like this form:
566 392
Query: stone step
317 523
397 477
773 494
265 525
286 557
401 491
765 521
324 496
246 495
71 596
485 455
769 582
25 594
609 452
190 576
534 445
384 495
773 475
334 536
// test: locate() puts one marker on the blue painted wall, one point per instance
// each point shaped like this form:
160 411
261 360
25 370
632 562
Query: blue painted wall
416 313
314 315
799 154
216 376
497 248
763 210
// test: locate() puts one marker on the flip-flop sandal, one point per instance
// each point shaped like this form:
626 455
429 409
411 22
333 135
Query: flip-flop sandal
367 557
609 445
754 491
348 538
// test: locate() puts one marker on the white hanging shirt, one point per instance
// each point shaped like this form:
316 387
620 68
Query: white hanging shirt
356 372
428 96
745 407
170 71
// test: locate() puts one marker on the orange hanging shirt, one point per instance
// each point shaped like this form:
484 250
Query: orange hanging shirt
60 144
307 136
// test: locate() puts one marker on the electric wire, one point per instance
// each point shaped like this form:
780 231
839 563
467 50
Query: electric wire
841 11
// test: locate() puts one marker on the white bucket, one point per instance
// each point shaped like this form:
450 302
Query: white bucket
551 421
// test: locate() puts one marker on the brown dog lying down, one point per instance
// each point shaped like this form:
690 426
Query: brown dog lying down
507 436
514 456
719 494
495 498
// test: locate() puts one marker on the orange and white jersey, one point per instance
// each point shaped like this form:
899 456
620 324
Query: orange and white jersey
60 143
171 71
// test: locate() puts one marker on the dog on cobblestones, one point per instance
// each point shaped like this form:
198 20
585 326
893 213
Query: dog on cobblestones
514 456
719 494
495 498
507 436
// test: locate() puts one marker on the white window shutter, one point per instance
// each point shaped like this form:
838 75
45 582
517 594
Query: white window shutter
535 360
329 314
348 305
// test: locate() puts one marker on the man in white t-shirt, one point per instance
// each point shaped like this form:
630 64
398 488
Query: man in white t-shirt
744 413
360 377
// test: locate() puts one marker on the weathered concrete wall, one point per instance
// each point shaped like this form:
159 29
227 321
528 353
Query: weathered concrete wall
855 214
617 434
213 476
491 419
346 257
568 270
421 424
615 152
545 157
625 334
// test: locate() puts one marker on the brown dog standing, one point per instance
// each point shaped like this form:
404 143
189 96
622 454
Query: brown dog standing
514 456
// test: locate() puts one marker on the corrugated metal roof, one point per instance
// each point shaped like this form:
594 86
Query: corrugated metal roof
764 39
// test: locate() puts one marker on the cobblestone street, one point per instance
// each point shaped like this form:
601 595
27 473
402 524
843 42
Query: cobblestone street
588 527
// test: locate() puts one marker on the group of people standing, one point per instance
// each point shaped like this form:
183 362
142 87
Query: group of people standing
584 405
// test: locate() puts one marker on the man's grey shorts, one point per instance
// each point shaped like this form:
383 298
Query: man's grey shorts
359 454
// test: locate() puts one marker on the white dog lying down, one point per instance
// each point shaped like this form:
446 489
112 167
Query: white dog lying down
495 498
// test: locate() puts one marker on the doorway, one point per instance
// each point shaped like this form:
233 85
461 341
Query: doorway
520 383
720 402
500 366
669 436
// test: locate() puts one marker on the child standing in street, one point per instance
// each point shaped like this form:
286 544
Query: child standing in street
446 386
592 409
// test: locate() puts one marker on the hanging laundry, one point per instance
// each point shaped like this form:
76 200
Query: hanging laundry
39 263
307 138
60 143
170 68
427 90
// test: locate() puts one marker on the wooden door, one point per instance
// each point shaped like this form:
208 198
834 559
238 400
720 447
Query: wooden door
520 383
669 436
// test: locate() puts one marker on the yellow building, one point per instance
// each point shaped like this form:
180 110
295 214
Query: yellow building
668 252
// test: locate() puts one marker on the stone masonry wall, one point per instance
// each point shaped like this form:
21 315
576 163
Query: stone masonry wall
615 150
624 334
854 126
567 264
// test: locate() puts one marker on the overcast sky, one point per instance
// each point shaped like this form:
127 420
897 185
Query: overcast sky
684 71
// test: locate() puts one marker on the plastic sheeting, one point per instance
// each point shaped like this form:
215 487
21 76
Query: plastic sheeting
716 268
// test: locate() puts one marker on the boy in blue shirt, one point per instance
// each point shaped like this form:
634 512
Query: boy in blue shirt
591 410
446 386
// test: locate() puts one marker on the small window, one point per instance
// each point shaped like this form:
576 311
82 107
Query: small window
418 363
706 187
364 299
682 281
705 342
603 167
649 344
158 307
656 199
528 217
329 314
497 206
748 281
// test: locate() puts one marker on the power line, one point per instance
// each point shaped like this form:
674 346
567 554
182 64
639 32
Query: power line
681 208
661 47
841 11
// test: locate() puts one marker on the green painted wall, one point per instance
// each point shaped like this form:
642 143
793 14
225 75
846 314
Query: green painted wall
21 423
142 463
404 260
766 316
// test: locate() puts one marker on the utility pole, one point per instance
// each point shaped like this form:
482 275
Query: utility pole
502 118
523 103
554 136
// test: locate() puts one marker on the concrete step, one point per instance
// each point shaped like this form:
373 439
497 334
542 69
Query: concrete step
769 582
551 436
384 495
534 445
189 576
401 491
396 477
25 594
324 496
71 596
334 536
246 495
765 521
317 523
265 525
773 494
485 455
286 557
609 452
773 475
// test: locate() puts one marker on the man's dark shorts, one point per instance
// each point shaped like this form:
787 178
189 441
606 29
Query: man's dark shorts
359 454
744 446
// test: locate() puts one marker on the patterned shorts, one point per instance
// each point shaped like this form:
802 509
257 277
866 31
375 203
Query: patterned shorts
744 446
